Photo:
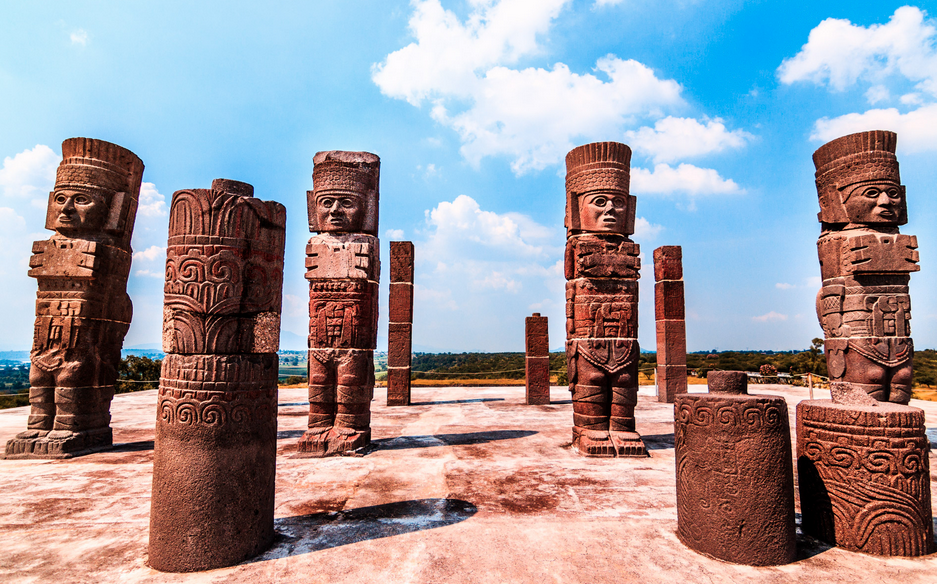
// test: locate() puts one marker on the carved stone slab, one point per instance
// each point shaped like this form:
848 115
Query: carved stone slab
537 362
669 316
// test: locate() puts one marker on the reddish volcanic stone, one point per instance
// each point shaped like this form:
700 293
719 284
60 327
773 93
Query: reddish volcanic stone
668 263
343 269
864 304
537 362
82 308
671 348
671 327
214 458
400 327
864 477
735 481
602 266
671 380
668 300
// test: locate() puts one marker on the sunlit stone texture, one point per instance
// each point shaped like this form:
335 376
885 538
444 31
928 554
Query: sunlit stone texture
214 459
669 317
400 327
82 308
343 269
735 479
537 361
602 266
864 306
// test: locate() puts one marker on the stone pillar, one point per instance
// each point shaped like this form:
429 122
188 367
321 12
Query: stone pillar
400 327
864 477
863 457
602 268
214 457
343 269
669 316
82 308
537 362
735 481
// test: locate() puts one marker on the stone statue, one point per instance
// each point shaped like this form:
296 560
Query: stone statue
82 309
602 268
864 306
343 269
214 457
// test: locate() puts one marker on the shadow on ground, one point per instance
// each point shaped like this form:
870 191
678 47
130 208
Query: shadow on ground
404 442
132 446
457 401
303 534
658 441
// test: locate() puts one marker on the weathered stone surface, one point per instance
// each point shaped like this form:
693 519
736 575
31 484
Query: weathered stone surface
214 457
400 327
864 477
82 307
602 265
735 479
731 382
865 263
537 362
669 316
343 269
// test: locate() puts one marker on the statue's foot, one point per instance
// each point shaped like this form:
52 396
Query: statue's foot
628 444
343 441
58 443
314 443
593 443
31 434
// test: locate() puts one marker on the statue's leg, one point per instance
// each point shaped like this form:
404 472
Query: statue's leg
864 374
321 406
355 390
41 403
901 377
621 424
82 403
591 411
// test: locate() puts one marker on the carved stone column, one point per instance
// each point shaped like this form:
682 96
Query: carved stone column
735 480
82 308
343 269
602 266
214 459
537 361
669 316
400 327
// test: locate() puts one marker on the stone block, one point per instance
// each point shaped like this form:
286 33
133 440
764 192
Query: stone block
671 342
671 381
668 263
398 386
537 376
537 335
668 300
399 336
400 302
401 261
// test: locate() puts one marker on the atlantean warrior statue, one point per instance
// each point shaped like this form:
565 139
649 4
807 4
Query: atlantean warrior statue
863 468
83 310
602 268
864 306
343 269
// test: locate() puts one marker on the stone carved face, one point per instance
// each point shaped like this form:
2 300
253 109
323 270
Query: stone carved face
339 212
603 212
874 202
78 211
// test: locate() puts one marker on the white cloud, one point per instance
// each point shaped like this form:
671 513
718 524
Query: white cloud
917 129
151 253
644 230
395 234
531 115
152 203
600 3
784 286
462 221
839 53
150 274
685 178
676 138
771 316
30 174
79 37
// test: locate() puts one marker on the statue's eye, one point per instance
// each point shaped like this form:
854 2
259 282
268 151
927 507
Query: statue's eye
599 201
893 193
348 203
326 202
82 199
872 193
60 199
618 202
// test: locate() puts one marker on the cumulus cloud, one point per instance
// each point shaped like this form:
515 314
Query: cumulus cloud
771 316
840 55
30 174
150 274
395 234
644 230
685 178
676 138
151 253
462 222
531 115
79 37
152 202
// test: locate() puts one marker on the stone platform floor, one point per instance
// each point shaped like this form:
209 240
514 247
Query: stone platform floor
466 485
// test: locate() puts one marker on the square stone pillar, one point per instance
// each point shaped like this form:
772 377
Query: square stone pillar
669 314
537 363
400 328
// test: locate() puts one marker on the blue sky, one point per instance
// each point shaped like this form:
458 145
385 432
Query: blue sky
472 106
